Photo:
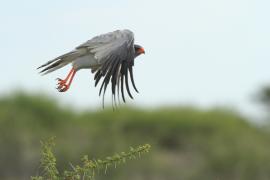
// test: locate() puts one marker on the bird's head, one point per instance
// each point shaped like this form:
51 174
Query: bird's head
138 50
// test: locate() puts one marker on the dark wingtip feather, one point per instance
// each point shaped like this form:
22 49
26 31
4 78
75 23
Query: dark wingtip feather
132 79
127 86
98 79
96 75
122 88
101 87
118 89
116 71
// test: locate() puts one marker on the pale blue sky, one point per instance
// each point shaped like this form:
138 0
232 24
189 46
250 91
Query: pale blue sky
197 52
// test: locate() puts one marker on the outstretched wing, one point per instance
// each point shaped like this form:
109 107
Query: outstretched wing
115 54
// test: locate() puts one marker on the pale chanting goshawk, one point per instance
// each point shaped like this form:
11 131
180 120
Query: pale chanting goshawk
110 56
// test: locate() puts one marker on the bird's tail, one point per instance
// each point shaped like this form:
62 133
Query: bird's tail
58 62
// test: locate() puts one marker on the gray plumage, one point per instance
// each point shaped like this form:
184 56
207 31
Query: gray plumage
110 56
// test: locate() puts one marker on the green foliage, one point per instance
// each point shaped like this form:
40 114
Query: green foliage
48 161
190 143
264 96
88 168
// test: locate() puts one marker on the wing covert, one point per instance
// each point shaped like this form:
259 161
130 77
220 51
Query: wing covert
117 43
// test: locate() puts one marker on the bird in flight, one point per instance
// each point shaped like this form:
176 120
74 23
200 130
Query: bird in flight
110 56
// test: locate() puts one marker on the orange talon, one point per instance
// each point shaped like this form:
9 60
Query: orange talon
61 82
63 86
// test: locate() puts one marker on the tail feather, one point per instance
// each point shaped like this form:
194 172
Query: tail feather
54 66
58 62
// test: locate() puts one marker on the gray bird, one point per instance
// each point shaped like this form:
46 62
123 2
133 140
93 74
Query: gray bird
110 56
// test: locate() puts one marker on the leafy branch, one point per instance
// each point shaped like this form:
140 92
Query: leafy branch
88 167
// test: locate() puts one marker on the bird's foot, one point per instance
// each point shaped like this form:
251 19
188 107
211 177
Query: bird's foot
62 86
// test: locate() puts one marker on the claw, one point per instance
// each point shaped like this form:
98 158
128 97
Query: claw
62 86
61 82
63 89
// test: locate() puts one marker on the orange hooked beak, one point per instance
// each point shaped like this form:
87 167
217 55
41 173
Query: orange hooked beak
141 51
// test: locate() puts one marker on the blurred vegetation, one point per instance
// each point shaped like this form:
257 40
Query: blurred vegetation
187 143
264 96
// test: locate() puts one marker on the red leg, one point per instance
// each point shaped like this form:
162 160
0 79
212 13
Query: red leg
61 81
63 85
